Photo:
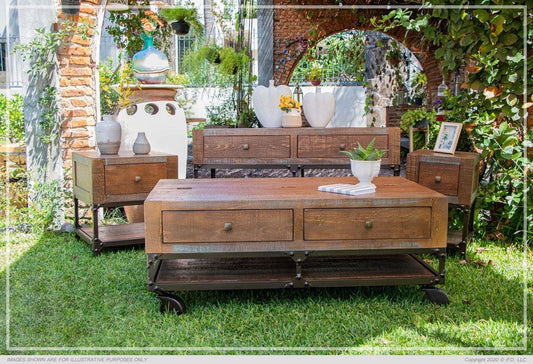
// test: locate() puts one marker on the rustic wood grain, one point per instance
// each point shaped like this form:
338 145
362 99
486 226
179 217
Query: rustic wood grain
404 215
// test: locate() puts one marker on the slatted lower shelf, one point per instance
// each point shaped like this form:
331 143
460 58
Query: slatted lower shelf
280 272
115 235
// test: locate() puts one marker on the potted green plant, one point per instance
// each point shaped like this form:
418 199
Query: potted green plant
314 73
418 118
231 61
365 163
181 19
394 55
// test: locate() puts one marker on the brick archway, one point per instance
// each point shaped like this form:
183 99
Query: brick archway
291 21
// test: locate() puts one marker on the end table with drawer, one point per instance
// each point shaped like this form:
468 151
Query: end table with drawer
455 175
116 180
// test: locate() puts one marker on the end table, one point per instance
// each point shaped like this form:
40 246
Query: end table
455 175
116 180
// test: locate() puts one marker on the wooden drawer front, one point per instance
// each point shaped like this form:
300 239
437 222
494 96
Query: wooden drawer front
367 223
247 146
329 146
133 178
440 177
227 226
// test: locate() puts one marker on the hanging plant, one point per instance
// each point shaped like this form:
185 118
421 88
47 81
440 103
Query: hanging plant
181 19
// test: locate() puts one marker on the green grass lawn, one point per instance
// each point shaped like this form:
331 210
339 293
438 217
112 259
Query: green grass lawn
62 300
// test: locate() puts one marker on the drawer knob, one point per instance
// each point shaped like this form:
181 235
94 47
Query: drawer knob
228 226
245 147
342 146
137 178
368 225
437 179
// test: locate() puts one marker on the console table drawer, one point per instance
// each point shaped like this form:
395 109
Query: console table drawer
247 147
227 226
128 179
440 177
329 146
367 223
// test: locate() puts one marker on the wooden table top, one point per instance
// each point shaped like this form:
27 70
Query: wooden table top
245 192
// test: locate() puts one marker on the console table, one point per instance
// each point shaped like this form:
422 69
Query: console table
116 180
292 148
238 233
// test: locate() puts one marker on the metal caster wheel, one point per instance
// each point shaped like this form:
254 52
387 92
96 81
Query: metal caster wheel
436 295
172 304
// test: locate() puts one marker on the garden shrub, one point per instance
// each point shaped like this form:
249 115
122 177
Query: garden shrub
12 118
487 43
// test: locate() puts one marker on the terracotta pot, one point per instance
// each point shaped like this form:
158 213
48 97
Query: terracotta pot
316 82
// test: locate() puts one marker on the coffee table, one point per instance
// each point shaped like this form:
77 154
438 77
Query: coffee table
255 233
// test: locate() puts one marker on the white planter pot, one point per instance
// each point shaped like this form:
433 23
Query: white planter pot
319 108
292 119
265 101
108 135
365 171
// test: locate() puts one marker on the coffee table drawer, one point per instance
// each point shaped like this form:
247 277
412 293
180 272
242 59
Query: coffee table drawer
247 147
330 146
128 179
367 223
227 226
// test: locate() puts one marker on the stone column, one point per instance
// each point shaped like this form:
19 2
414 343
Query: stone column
265 29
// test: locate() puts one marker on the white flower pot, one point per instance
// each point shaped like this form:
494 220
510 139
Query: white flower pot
292 119
365 171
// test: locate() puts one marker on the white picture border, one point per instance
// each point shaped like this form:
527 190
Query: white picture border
448 137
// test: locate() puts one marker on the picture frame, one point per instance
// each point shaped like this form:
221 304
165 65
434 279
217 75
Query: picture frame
448 137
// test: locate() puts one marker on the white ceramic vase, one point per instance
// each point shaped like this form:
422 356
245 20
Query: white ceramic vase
141 144
365 171
319 108
108 134
265 101
292 119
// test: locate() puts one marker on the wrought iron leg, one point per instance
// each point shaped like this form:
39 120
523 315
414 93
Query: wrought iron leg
396 169
97 244
213 172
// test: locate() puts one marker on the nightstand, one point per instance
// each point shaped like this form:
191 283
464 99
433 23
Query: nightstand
116 180
455 175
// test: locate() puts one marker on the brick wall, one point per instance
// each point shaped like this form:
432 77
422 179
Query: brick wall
292 20
77 85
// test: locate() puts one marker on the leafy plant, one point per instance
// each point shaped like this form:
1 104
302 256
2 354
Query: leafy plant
487 43
413 116
12 118
113 100
315 71
41 53
365 154
183 13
